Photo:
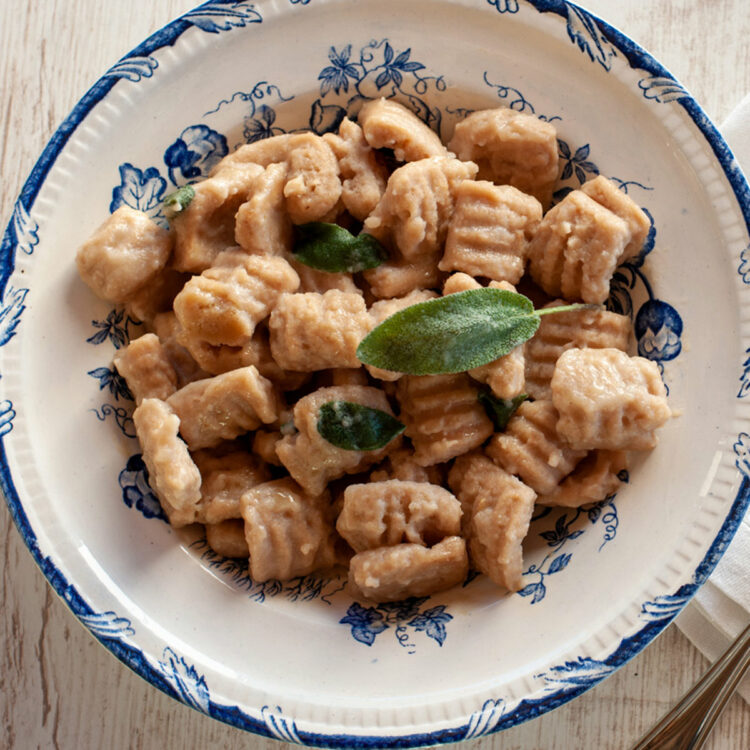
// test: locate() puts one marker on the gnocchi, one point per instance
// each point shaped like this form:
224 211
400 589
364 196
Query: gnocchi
247 347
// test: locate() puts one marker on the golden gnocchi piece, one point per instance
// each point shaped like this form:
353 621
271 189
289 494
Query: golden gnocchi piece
606 193
172 473
224 304
146 368
506 375
397 278
576 329
510 148
388 124
608 400
594 479
167 328
531 449
415 209
309 457
499 509
225 477
383 514
364 177
389 574
489 232
262 153
313 331
442 415
206 227
288 531
262 225
313 187
223 407
227 538
124 255
576 249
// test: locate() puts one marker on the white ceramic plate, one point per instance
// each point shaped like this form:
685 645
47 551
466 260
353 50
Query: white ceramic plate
300 661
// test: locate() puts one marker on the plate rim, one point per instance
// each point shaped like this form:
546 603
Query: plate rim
274 724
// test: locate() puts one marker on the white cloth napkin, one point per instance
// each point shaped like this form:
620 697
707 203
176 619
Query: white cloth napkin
721 609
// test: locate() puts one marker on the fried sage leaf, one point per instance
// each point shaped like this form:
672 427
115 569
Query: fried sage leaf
355 427
178 201
454 333
329 247
500 410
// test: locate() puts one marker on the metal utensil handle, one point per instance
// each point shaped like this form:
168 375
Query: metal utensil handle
689 723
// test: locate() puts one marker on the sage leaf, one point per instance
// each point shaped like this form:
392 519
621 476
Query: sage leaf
500 410
329 247
355 427
450 334
454 333
178 201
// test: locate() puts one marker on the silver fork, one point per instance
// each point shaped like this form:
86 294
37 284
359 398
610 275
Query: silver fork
688 724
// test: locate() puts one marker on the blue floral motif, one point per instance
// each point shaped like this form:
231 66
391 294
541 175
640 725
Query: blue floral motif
136 491
486 720
565 530
133 68
108 625
365 623
10 312
744 268
111 379
195 152
325 118
139 189
120 414
505 6
223 15
114 327
577 162
582 672
7 415
380 70
25 229
742 451
658 328
185 680
661 89
262 126
336 75
664 607
368 622
584 31
432 623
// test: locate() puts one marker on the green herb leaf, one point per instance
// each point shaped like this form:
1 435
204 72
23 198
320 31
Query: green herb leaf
500 410
451 334
454 333
355 427
329 247
178 201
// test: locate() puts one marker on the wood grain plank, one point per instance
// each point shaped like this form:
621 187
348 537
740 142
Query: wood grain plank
58 687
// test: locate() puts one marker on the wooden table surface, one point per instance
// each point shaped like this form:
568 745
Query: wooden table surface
58 687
